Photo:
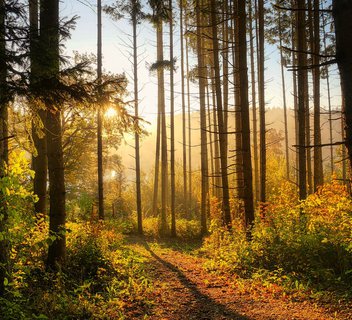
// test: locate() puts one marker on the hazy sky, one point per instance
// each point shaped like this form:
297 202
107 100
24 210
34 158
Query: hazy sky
117 58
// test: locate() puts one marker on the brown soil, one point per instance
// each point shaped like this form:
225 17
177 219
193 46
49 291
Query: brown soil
183 290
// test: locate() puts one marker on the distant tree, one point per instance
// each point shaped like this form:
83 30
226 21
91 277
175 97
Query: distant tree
133 9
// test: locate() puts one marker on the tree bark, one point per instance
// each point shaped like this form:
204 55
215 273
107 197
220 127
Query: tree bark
261 94
172 125
39 161
318 157
222 132
161 96
49 37
4 242
301 112
282 62
100 120
203 122
136 113
184 139
246 143
254 107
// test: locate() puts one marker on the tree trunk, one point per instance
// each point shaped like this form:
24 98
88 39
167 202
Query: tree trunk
100 120
329 104
136 113
172 125
203 122
4 242
282 63
261 94
39 161
301 112
222 132
49 36
254 106
161 96
342 13
190 198
246 143
184 140
318 157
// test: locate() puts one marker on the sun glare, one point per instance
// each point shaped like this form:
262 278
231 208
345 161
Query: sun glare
110 112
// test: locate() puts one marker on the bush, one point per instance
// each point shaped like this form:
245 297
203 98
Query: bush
308 242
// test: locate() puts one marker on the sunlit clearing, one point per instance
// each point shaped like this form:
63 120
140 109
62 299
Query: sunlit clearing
110 113
113 174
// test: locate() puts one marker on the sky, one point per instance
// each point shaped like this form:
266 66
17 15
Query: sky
117 54
117 58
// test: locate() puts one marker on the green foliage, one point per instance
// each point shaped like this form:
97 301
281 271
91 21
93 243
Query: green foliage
301 245
102 279
14 185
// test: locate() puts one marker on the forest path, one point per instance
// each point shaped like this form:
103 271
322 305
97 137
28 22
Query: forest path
183 290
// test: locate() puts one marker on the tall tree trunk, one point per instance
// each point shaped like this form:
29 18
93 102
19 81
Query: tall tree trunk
294 84
225 65
4 242
184 140
203 122
282 63
342 12
157 161
218 189
136 113
49 36
329 103
318 157
238 114
39 161
261 94
246 143
222 132
302 78
254 106
189 134
210 136
100 120
172 124
161 95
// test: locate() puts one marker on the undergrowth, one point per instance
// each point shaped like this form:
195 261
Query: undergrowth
102 278
301 246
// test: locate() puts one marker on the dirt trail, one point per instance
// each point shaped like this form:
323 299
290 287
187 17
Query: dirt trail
183 290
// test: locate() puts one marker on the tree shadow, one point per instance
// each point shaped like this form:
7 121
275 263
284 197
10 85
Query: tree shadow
204 307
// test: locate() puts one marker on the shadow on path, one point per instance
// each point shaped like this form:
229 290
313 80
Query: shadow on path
203 306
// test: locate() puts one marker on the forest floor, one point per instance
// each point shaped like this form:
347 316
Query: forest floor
184 290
